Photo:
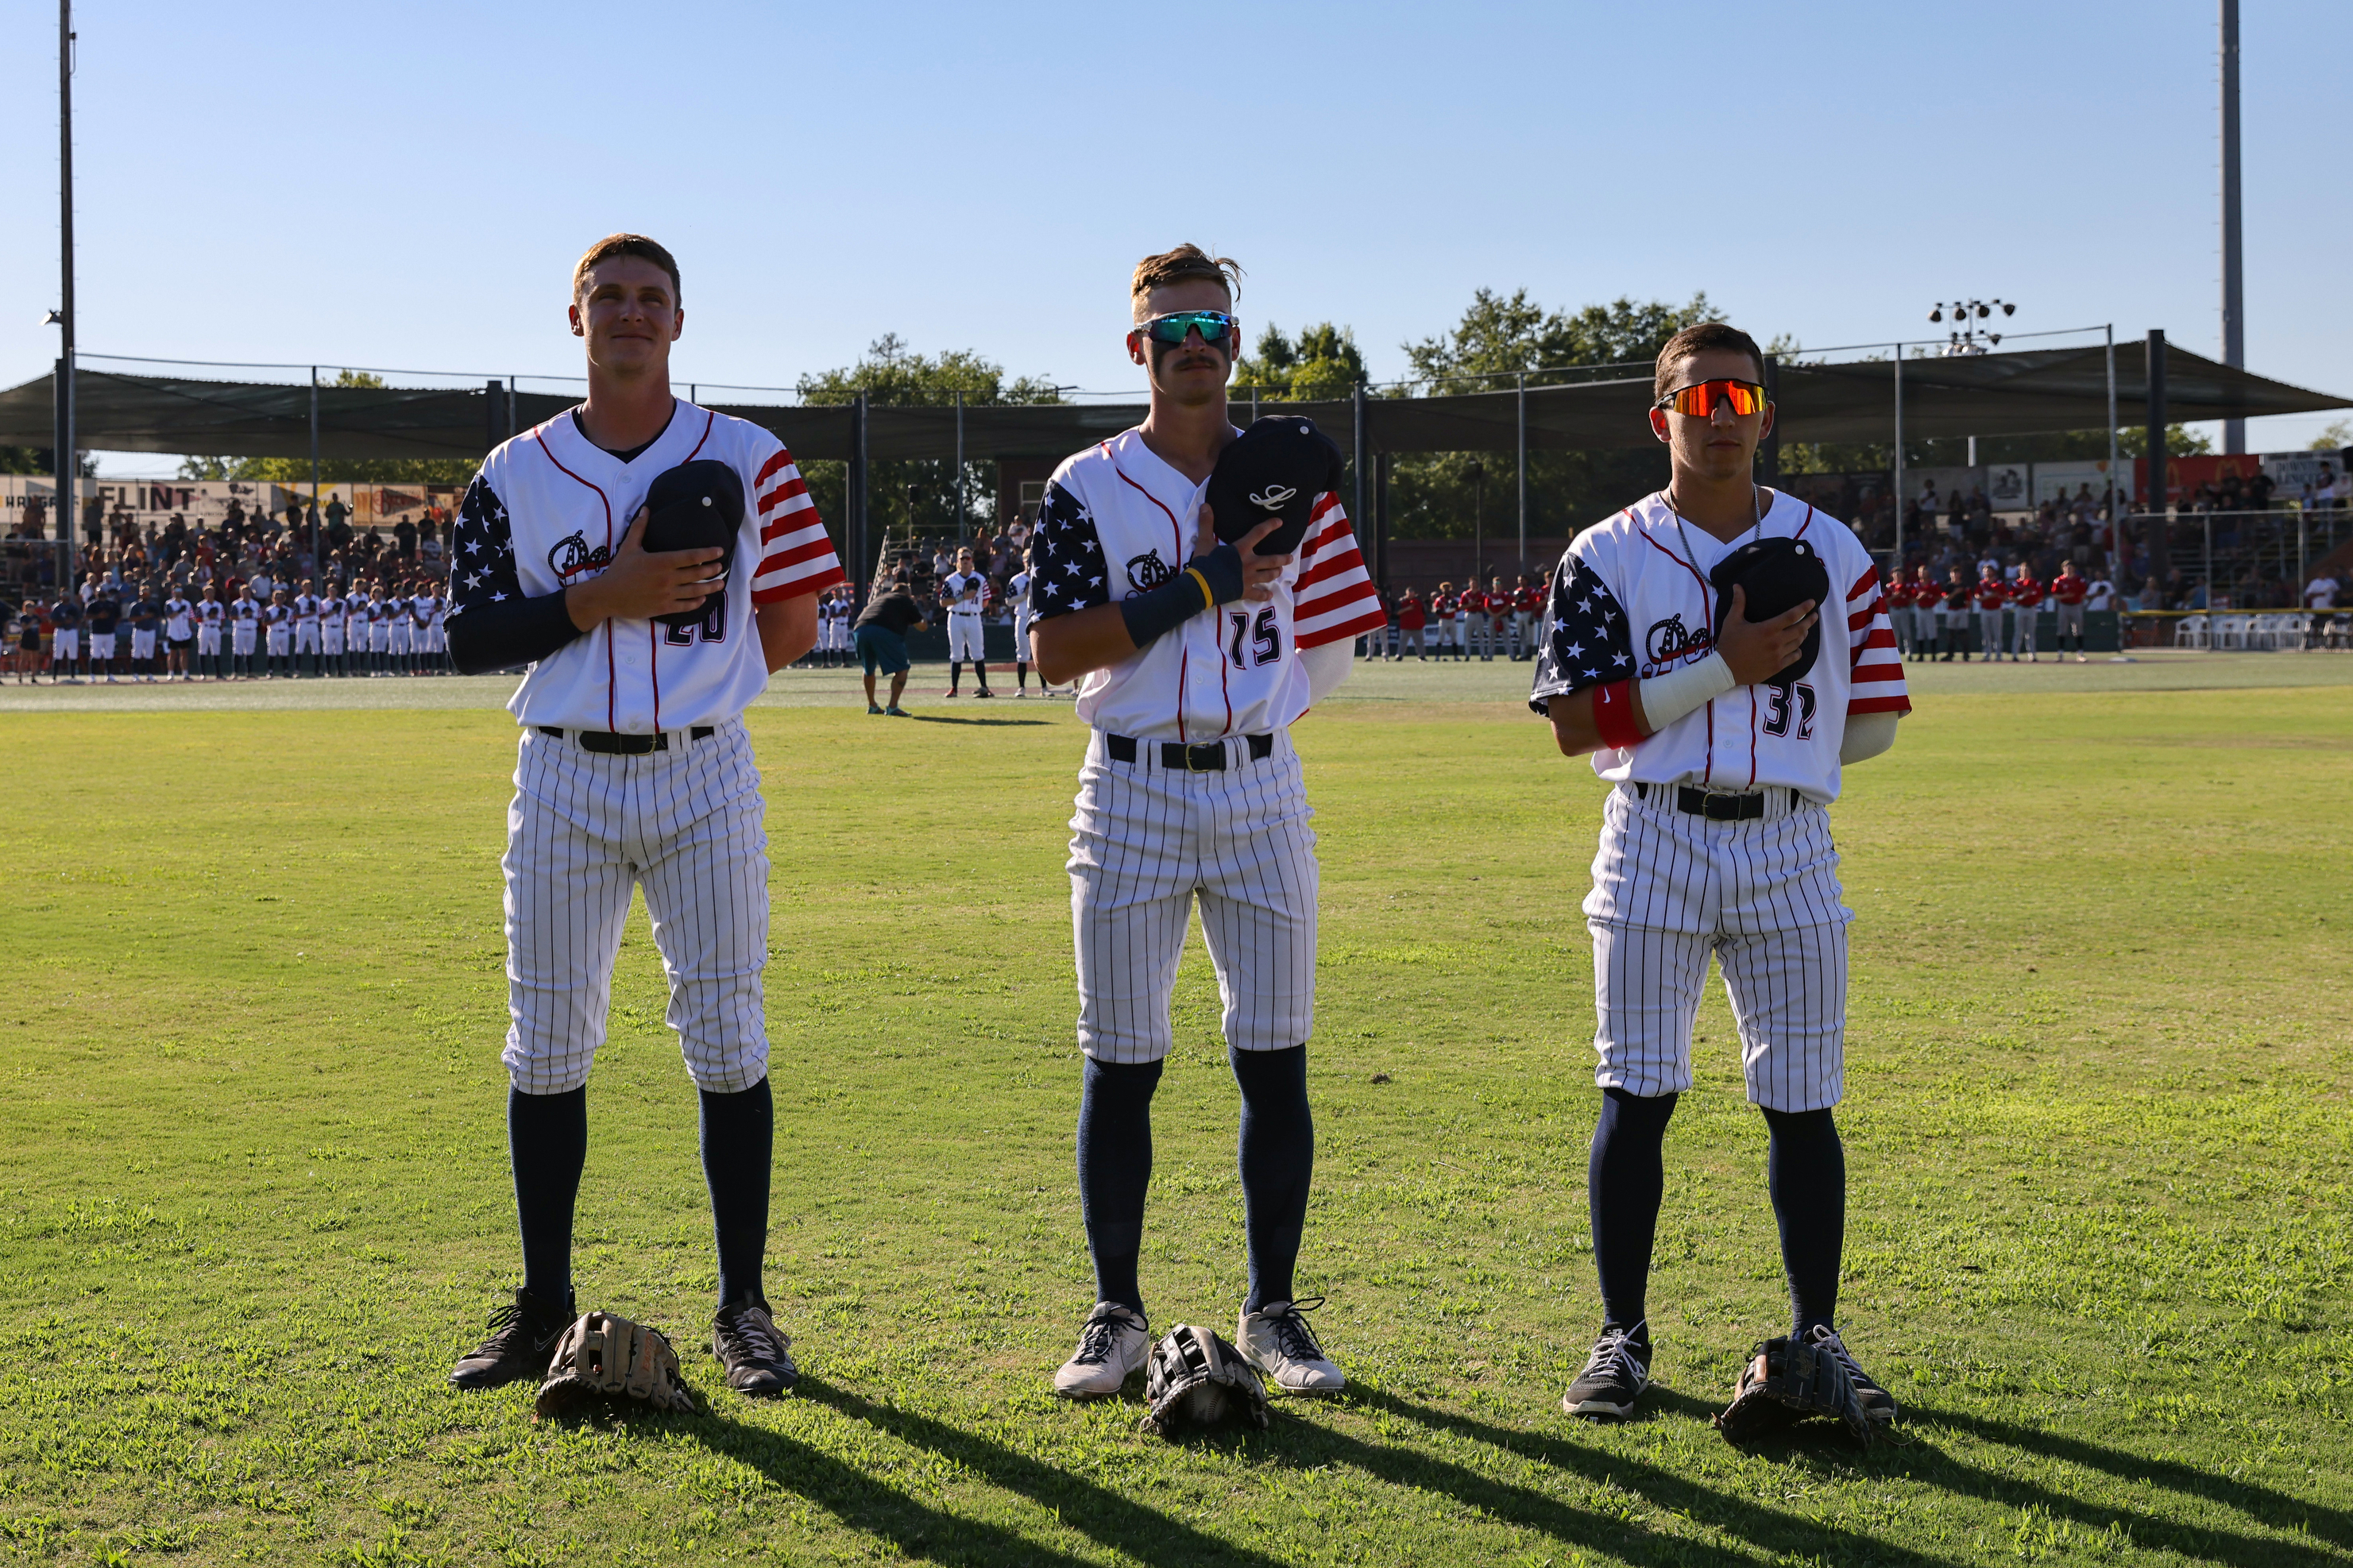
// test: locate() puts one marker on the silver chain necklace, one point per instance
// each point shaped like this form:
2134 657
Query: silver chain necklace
1756 496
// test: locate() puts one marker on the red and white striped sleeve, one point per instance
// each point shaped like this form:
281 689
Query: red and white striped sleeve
1876 685
795 555
1334 597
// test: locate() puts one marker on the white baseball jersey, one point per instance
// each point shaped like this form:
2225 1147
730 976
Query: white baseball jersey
965 593
179 618
549 507
306 610
1631 599
2101 596
356 615
1117 521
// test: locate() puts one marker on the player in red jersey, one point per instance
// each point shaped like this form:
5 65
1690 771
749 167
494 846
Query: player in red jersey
1454 631
1527 604
2026 596
2068 590
1990 594
1411 618
1927 605
1899 610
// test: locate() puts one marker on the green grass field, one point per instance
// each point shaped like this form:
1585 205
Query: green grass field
2098 1127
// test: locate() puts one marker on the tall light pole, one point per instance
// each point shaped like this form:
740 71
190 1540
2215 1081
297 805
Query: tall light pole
68 469
2234 301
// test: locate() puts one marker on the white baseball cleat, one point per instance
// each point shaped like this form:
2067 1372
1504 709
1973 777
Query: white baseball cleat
1113 1347
1277 1341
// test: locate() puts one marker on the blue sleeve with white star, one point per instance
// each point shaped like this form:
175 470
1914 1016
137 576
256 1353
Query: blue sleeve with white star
491 625
1069 574
1587 641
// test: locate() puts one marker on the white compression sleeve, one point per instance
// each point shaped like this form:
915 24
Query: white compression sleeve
1867 735
1328 663
1667 697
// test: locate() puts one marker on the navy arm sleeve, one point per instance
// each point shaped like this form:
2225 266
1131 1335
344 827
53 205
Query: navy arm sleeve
491 625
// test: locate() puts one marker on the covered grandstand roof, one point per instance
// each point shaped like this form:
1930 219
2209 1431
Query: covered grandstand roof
1986 394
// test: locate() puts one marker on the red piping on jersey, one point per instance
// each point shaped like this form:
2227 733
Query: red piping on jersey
708 419
1751 737
611 677
1807 524
1707 775
1176 536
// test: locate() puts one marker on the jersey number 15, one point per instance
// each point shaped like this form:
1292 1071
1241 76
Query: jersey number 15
1265 637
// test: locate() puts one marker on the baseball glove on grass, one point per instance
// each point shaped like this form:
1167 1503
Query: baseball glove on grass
1196 1381
603 1359
1785 1382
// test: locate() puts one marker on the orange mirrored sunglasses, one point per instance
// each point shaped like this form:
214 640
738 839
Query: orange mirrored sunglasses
1698 402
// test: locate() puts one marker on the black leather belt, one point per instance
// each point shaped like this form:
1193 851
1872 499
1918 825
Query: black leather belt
614 744
1717 807
1206 757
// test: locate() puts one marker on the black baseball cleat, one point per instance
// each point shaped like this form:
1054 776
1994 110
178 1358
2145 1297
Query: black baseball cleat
1615 1375
755 1355
522 1337
1878 1405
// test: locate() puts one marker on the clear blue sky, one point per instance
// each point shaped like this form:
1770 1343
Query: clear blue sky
408 185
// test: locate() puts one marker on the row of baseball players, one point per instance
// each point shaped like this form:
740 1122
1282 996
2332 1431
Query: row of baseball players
1194 654
370 630
1492 622
1931 617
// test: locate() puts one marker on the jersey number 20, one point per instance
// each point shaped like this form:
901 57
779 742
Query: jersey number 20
1265 638
711 627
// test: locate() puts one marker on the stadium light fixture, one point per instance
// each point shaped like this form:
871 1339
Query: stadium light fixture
53 319
1938 313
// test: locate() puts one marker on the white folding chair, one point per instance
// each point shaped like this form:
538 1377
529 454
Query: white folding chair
2192 631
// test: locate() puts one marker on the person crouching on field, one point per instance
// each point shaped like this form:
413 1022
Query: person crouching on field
1724 754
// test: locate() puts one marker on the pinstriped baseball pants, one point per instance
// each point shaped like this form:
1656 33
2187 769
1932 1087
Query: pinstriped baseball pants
1144 843
1763 897
581 831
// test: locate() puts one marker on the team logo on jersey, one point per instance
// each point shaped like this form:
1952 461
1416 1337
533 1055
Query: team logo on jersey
1669 640
1148 570
572 556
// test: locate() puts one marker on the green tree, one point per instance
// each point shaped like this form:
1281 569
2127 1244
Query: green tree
2334 437
1498 338
915 496
1323 363
335 470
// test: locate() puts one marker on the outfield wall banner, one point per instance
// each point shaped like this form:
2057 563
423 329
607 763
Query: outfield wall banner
205 503
2007 485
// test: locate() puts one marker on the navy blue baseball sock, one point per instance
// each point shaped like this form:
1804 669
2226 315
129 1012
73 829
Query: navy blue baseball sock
739 1138
1115 1169
1624 1182
1277 1156
547 1139
1806 1170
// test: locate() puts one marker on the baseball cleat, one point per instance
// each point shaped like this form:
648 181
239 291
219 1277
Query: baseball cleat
521 1338
951 691
1615 1375
1277 1341
983 691
1113 1346
873 707
755 1355
898 713
1878 1405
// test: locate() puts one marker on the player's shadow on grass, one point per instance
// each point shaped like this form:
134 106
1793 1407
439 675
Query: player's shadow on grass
1921 1462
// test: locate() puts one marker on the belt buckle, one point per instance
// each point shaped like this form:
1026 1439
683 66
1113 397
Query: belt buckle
1192 751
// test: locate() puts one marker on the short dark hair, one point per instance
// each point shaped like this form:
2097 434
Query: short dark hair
1184 265
636 245
1698 340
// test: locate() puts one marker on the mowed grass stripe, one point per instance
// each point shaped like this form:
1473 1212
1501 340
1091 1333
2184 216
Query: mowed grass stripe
2096 1128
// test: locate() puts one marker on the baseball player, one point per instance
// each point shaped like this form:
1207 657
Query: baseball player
400 630
64 637
1018 588
1447 606
307 606
278 623
146 628
432 613
1499 619
179 633
105 621
331 631
2067 591
1193 659
358 622
1527 604
2026 596
1958 615
244 619
27 640
634 771
1411 618
963 593
1900 595
379 618
1990 595
210 614
1723 749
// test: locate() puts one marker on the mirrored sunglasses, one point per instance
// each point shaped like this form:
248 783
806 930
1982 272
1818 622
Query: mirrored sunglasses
1213 326
1699 402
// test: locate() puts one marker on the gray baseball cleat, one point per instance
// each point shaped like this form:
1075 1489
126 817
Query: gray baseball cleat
1113 1346
1277 1341
1878 1405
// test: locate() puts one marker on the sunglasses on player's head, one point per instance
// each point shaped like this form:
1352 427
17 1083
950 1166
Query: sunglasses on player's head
1213 326
1699 402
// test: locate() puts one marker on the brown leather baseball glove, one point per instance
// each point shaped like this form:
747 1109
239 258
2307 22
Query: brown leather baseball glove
1196 1381
602 1360
1786 1382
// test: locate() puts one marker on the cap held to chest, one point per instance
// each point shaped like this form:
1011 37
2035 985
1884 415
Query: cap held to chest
1275 468
694 506
1778 575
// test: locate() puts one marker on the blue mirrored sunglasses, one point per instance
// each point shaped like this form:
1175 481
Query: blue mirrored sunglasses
1213 326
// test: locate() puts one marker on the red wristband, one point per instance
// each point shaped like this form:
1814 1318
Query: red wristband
1613 715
